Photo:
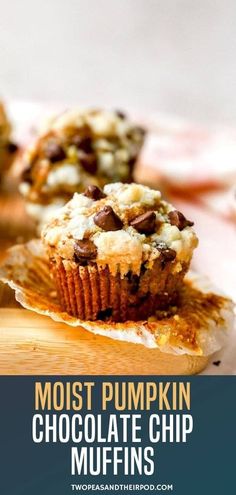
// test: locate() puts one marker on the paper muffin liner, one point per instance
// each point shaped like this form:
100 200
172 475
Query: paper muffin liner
198 326
93 293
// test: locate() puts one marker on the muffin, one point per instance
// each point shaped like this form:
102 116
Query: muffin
78 148
118 254
7 147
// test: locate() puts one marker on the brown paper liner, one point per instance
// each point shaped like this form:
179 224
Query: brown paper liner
93 293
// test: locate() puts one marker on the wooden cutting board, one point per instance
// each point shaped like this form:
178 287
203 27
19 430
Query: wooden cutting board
35 344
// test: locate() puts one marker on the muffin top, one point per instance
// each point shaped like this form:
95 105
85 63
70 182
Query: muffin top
78 148
122 226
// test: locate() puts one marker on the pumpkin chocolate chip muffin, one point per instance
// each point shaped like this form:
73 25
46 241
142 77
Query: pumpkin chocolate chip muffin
77 149
7 147
118 253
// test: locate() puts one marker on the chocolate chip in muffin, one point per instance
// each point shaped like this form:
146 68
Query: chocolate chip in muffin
145 223
94 192
120 114
132 162
167 254
82 143
104 314
178 219
12 147
85 250
26 175
54 152
107 219
88 161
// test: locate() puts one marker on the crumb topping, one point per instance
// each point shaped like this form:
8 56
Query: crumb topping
79 148
128 225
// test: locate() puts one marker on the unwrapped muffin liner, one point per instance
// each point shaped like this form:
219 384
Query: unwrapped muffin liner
199 325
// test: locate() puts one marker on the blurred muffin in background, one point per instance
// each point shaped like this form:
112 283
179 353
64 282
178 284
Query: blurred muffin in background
7 147
78 148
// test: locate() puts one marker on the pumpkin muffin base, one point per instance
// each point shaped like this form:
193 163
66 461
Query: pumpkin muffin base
93 293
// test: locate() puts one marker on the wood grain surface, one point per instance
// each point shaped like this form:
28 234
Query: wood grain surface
34 344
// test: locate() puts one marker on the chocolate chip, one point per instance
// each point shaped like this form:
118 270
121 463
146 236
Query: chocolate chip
12 147
167 254
26 175
120 114
94 192
104 314
107 219
145 223
85 250
131 164
88 162
177 218
82 143
54 152
217 363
